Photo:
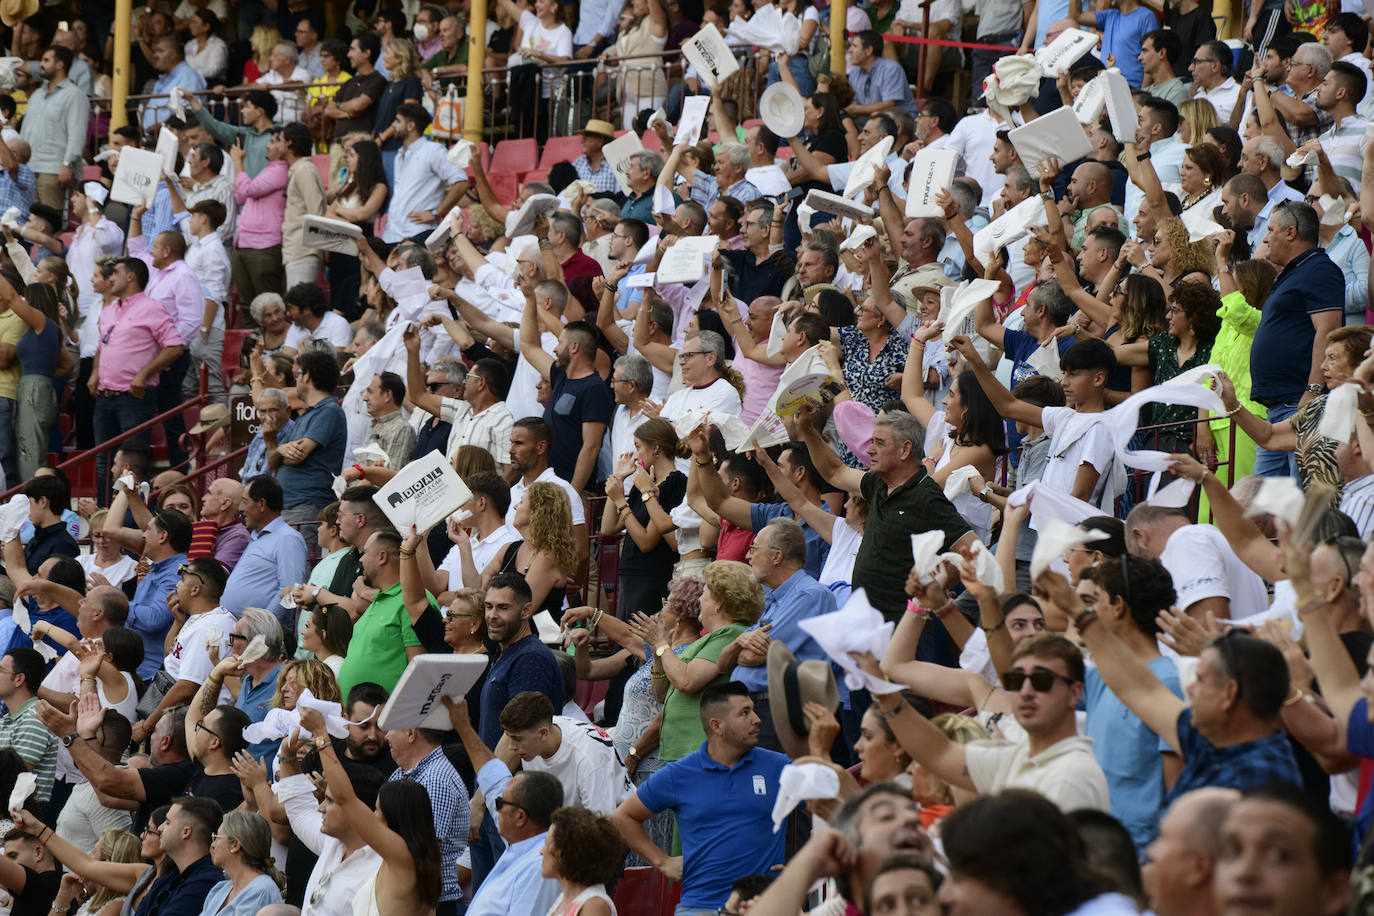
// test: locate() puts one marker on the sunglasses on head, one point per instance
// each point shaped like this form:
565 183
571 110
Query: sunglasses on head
1041 679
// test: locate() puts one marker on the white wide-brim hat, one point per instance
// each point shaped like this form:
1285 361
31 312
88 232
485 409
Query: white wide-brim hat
782 110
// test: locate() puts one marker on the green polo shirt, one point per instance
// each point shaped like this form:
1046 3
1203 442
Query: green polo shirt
682 732
254 141
442 58
916 506
377 651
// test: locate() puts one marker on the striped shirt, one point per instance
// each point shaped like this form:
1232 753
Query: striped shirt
1357 501
489 429
21 732
1344 145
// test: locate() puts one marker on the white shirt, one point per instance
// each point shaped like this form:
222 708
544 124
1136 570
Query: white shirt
335 880
483 549
1077 439
587 765
119 572
333 328
719 395
1066 772
973 137
290 102
1223 97
189 659
1203 565
65 677
84 818
90 243
489 428
623 426
210 262
522 399
517 490
1362 62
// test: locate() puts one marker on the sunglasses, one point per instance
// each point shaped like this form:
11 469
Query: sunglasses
186 570
1041 679
434 386
502 804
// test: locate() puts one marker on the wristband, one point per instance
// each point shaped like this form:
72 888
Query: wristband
1297 695
913 608
361 470
1143 156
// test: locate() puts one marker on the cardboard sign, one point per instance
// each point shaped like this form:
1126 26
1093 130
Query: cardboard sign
618 153
1092 98
422 494
1120 106
417 701
1069 48
1056 134
931 172
694 108
1009 227
825 202
167 150
328 234
711 56
861 176
685 261
137 176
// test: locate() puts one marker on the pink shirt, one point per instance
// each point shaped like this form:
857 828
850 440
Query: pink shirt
133 331
262 206
177 287
760 382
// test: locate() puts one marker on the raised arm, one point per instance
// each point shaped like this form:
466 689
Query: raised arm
530 346
1006 403
827 462
805 510
416 391
712 489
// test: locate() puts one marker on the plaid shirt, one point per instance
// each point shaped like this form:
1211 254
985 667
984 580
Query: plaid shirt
602 179
1239 766
18 192
449 799
395 437
1301 134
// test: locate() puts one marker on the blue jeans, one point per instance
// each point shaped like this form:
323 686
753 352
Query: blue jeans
1277 464
113 415
485 851
168 395
693 911
801 72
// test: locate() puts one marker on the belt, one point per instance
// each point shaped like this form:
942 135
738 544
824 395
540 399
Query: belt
1274 402
759 695
109 393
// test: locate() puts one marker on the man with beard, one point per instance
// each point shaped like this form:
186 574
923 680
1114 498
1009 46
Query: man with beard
580 405
391 631
1089 188
1244 204
729 765
366 742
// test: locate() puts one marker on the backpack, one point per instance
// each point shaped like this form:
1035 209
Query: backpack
818 56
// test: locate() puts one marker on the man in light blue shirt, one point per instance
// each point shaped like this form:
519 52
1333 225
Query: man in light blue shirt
596 22
1344 248
55 126
165 542
274 558
879 82
521 807
176 74
427 185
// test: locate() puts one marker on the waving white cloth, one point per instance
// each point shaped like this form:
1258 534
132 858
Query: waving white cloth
767 28
281 722
1338 415
1123 420
1050 505
856 627
957 306
800 781
1280 497
1055 540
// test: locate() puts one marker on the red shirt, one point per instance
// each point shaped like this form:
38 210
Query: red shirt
733 543
580 265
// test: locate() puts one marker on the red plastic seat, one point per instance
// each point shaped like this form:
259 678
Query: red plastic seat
505 187
233 349
321 162
512 157
651 141
540 174
90 173
560 149
646 892
751 122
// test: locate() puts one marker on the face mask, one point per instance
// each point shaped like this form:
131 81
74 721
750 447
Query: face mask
421 32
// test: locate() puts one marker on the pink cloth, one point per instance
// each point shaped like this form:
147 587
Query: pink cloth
262 206
133 331
760 381
177 287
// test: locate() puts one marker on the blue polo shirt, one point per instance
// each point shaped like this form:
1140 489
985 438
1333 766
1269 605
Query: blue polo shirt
725 816
526 664
311 483
1359 740
1020 347
785 607
255 698
1279 363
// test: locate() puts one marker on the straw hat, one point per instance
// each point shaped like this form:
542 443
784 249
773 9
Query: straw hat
595 126
212 416
791 685
13 12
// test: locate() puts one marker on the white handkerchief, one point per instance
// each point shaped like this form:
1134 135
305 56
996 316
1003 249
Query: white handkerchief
957 481
1338 417
925 552
25 783
855 627
213 638
370 453
957 306
288 602
546 629
339 485
256 649
1173 495
663 201
20 615
45 651
776 333
985 568
796 783
861 176
1280 497
856 238
460 154
11 217
1054 541
1301 158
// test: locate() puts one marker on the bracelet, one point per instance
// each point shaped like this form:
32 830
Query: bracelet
704 464
657 674
407 554
944 610
1233 410
884 715
913 608
211 679
1143 156
612 288
1084 620
1297 695
361 470
1310 603
89 677
596 618
993 629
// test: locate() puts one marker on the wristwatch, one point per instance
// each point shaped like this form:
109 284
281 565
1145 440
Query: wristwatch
69 740
320 741
315 593
1315 389
658 653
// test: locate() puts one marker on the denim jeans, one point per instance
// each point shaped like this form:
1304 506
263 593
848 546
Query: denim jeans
1277 464
800 66
9 442
167 396
113 415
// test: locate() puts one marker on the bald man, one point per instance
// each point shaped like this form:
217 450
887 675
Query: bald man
1182 859
1089 188
219 533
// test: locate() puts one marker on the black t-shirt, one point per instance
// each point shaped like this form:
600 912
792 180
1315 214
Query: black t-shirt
429 629
40 890
346 573
161 784
832 143
372 86
573 402
657 563
749 280
1193 30
225 789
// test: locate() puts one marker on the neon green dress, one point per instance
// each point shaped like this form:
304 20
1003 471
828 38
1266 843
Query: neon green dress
1239 320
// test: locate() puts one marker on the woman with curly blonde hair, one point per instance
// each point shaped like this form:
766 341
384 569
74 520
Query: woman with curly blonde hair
547 557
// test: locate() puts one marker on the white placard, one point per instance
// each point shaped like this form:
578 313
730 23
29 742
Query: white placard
711 56
1056 134
1069 48
167 150
769 179
825 202
422 494
417 701
1120 107
328 234
931 172
694 108
136 177
641 281
1092 98
861 176
1009 227
685 259
618 153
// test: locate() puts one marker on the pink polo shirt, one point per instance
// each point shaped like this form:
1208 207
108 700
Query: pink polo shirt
133 331
262 206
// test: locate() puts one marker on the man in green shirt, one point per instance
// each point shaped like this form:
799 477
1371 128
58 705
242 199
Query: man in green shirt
384 639
257 108
451 60
21 671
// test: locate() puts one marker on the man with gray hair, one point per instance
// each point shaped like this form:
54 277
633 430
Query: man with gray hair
287 79
641 172
443 378
1301 117
565 237
632 381
598 228
902 500
272 415
705 385
732 161
1263 157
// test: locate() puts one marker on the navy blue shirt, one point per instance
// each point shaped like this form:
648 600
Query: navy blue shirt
52 541
311 483
725 815
1279 357
1020 346
526 664
572 402
1236 766
181 893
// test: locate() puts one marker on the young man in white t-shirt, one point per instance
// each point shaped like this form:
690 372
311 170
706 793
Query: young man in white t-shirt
1082 458
1207 574
581 755
196 616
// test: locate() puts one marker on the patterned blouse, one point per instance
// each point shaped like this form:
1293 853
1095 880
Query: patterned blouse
867 380
1164 364
1316 454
